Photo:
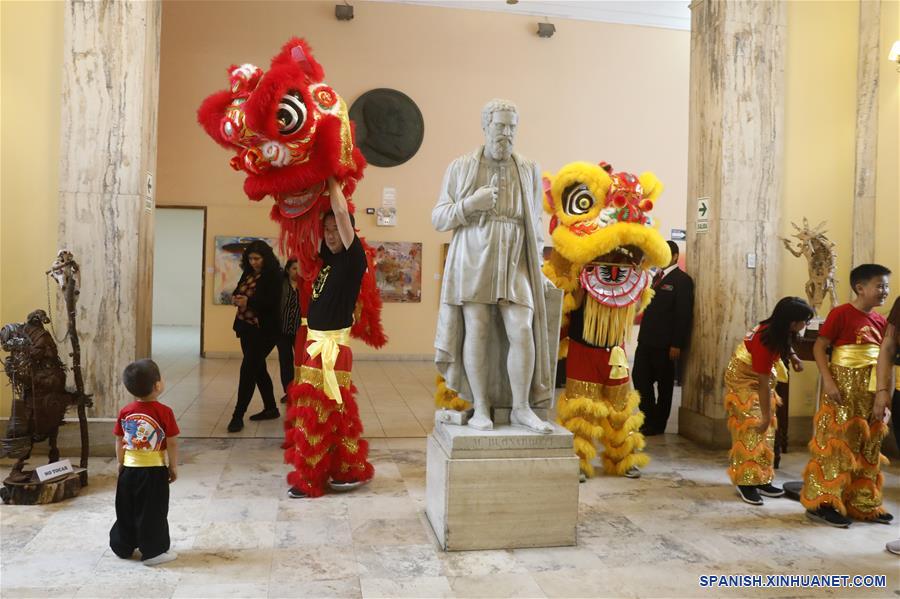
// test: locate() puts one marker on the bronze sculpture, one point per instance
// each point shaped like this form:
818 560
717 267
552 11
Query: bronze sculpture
821 260
38 379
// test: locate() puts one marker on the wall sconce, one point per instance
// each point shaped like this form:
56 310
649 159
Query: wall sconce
894 56
343 12
546 29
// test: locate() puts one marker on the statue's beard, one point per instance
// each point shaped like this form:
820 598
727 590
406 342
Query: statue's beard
500 149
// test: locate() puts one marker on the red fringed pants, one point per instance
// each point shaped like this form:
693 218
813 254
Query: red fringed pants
322 437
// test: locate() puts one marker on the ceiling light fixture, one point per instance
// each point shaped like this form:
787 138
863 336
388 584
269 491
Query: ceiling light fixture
894 55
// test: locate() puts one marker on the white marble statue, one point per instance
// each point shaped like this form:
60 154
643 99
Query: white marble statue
498 324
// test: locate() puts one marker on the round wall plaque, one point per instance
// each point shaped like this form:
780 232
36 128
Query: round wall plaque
389 126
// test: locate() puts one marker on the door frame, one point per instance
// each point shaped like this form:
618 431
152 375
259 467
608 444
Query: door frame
202 266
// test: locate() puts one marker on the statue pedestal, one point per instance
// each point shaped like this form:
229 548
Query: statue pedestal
501 489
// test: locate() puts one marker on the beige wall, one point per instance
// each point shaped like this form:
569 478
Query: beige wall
29 136
593 92
820 145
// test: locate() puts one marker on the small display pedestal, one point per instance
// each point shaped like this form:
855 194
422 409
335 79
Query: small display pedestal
33 492
501 489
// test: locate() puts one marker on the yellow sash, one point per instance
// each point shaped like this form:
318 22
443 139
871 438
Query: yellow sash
857 356
327 343
144 459
778 369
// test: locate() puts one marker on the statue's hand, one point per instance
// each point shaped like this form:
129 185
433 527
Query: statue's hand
483 199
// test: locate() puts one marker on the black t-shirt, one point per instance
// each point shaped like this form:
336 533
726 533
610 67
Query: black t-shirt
336 288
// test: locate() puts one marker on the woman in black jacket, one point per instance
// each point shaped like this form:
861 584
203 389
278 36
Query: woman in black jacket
290 322
257 324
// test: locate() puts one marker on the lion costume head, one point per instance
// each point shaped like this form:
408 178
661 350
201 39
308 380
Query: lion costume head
604 245
291 132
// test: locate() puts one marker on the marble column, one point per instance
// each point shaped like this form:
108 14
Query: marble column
108 160
735 157
868 65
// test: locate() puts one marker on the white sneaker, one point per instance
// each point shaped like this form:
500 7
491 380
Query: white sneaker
162 558
893 546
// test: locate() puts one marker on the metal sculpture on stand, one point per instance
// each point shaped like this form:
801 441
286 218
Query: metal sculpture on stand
821 261
38 379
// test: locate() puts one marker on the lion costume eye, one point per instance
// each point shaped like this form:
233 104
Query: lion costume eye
578 199
291 113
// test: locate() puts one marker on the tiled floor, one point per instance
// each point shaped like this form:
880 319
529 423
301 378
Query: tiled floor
395 398
238 535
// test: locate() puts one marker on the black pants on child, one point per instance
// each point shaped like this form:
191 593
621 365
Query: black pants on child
652 365
286 359
142 508
256 347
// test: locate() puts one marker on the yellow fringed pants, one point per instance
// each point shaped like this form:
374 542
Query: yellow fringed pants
752 453
595 411
845 466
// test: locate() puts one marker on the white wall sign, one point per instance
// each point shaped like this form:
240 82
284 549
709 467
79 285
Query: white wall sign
389 197
702 226
703 209
54 470
678 235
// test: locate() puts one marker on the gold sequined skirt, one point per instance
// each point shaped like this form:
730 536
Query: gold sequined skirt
752 452
845 466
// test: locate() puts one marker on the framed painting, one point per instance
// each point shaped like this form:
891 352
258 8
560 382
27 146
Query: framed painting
228 264
398 270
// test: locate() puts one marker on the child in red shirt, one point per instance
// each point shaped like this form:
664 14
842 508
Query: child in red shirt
843 476
750 398
145 435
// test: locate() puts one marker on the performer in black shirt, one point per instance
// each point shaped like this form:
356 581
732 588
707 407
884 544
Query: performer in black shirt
323 443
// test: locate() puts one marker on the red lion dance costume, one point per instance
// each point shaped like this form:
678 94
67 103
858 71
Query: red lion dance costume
291 133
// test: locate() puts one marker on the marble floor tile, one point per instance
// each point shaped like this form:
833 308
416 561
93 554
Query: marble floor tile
430 586
227 591
298 565
236 535
342 588
223 566
241 509
312 532
468 564
398 561
393 531
496 585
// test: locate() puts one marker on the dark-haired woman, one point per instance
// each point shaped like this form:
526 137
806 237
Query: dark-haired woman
750 398
257 324
290 322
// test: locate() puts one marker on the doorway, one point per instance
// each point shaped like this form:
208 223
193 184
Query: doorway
178 282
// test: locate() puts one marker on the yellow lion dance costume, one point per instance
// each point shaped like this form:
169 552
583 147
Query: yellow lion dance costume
604 244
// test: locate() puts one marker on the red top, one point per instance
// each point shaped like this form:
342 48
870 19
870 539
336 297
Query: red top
145 425
847 325
763 357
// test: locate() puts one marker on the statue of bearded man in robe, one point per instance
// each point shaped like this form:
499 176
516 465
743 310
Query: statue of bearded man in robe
498 325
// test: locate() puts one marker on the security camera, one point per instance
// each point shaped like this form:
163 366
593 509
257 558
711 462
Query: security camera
343 12
546 29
